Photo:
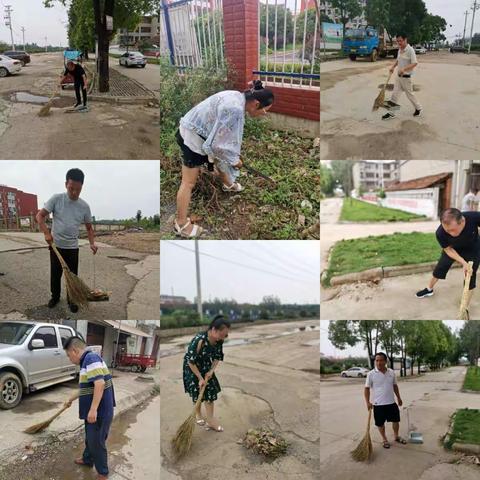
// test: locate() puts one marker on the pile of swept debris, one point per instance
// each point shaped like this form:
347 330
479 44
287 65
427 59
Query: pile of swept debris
264 442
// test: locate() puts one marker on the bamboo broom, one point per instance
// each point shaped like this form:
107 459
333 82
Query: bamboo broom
78 292
380 100
463 313
364 449
45 110
39 427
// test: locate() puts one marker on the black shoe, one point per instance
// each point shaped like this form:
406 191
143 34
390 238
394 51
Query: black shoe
73 308
426 292
393 105
52 302
417 113
388 116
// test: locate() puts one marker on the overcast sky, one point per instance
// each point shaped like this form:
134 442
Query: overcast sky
113 189
38 22
453 11
293 266
328 349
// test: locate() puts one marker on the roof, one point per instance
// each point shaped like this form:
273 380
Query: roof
419 183
124 327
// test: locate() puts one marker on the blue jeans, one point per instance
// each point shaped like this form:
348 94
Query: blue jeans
95 452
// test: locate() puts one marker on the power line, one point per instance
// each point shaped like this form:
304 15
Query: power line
232 262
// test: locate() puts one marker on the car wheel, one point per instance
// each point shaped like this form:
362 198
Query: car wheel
10 390
22 63
143 66
3 72
360 375
344 375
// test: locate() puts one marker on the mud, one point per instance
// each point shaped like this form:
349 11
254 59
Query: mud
330 79
30 405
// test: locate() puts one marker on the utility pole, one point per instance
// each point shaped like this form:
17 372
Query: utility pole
199 286
23 35
8 22
475 7
465 27
46 45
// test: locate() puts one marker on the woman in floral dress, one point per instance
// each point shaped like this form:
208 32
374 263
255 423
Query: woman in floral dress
202 356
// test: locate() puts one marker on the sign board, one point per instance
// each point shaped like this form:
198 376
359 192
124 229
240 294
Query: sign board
109 21
332 32
25 222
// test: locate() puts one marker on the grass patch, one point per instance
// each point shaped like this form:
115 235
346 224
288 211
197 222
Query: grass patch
472 379
466 427
354 210
360 254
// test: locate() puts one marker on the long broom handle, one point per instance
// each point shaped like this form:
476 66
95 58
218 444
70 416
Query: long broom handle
60 258
386 84
466 286
202 391
369 418
59 412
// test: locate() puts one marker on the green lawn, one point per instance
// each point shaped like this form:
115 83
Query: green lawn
360 254
472 379
358 211
466 427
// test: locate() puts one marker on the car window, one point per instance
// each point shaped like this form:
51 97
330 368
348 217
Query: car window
65 334
12 333
47 334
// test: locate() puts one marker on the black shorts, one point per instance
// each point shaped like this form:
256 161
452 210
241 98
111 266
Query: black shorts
190 159
445 262
386 413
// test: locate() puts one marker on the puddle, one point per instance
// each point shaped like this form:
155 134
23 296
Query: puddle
34 405
25 97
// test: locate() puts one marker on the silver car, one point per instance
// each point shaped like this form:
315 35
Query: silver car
133 59
32 357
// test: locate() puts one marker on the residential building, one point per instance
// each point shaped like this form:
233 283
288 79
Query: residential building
327 9
371 175
15 203
174 301
147 30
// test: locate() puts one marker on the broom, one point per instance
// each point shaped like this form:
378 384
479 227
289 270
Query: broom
182 441
380 100
78 292
45 110
364 449
39 427
463 313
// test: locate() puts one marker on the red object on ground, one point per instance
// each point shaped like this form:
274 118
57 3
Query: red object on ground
138 363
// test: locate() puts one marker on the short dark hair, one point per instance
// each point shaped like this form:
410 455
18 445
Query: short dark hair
74 342
76 175
264 96
451 214
384 355
402 35
219 322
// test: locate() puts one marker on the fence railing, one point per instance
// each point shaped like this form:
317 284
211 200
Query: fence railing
289 43
29 224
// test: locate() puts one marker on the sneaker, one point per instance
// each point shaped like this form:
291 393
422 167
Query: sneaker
388 116
417 113
73 307
52 302
426 292
393 105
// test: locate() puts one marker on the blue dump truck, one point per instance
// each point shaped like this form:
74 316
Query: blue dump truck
369 42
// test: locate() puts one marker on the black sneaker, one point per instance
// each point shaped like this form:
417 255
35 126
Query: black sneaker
393 105
417 113
426 292
52 302
388 116
73 307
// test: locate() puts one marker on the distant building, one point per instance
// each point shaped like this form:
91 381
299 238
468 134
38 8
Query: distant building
15 203
174 301
147 30
373 175
327 9
306 4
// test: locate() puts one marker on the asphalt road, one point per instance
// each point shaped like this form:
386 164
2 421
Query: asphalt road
149 76
448 92
430 399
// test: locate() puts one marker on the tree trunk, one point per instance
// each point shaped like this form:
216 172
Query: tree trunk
103 39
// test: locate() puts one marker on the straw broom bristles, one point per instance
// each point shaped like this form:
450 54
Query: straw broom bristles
364 449
463 313
39 427
45 110
380 100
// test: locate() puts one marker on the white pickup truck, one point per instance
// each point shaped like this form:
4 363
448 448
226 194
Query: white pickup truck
32 357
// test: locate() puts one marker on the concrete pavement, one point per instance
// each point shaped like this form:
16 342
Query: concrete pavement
149 76
431 399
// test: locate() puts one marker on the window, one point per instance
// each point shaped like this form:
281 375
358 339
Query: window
47 334
65 334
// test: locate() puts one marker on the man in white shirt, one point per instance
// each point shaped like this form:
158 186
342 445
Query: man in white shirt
406 62
380 387
470 201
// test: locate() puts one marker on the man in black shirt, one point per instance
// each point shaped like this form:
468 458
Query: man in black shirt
80 83
458 237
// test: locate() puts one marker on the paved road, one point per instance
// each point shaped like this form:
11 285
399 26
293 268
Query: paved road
431 399
149 76
449 126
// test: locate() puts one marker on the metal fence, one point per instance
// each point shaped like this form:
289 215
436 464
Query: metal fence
191 33
16 222
289 43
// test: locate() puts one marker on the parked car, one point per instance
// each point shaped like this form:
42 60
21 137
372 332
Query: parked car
424 368
458 49
420 50
32 357
20 55
355 372
133 59
9 66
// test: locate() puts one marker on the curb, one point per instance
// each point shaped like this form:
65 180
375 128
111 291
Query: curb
119 100
467 448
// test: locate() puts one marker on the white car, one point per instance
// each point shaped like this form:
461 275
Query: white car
133 59
420 50
359 372
424 369
8 66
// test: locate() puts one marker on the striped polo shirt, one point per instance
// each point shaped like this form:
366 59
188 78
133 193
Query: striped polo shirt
92 367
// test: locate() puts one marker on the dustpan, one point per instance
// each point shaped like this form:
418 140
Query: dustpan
413 437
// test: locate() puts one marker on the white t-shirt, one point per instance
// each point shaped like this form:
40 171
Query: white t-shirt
406 57
470 197
381 386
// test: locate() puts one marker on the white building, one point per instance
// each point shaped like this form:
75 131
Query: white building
327 9
373 175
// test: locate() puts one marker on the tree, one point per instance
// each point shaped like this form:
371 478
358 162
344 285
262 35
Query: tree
348 10
138 216
470 341
432 28
378 13
281 13
327 183
342 173
270 301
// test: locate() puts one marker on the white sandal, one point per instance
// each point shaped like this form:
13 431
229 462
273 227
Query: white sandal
218 429
234 187
196 230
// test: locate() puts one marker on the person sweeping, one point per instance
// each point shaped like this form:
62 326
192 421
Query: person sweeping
211 134
380 387
96 404
460 242
80 83
69 212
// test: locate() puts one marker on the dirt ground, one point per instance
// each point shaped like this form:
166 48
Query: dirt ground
136 242
107 131
270 382
448 128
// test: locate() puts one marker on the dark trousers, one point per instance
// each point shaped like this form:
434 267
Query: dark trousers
81 87
71 259
445 262
95 452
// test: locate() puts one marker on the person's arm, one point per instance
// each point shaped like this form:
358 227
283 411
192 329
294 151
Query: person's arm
392 68
85 80
452 253
196 371
40 217
98 389
68 403
397 393
408 68
209 374
91 237
366 394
